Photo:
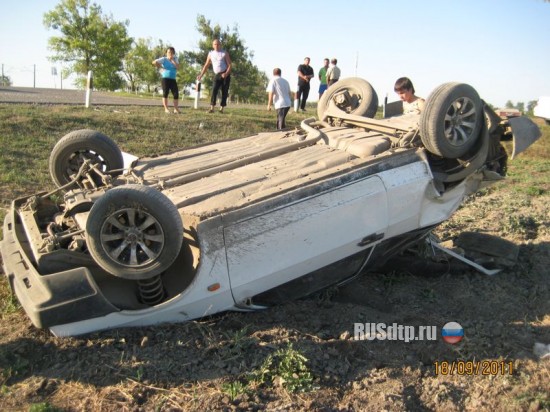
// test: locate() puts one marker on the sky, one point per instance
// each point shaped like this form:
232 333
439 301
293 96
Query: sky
500 47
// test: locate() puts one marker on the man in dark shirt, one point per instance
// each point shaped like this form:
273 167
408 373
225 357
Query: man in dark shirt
305 74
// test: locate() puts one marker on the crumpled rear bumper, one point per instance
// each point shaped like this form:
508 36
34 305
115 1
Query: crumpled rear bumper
51 299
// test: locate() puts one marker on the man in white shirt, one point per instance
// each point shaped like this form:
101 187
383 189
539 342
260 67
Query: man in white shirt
280 96
221 64
333 73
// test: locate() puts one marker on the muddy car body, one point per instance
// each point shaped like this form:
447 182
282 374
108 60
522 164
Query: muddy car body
246 223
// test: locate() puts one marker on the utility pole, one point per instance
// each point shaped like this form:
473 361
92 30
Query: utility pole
34 76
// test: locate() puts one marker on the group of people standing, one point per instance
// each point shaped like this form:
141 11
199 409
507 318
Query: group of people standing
221 65
280 95
328 75
279 92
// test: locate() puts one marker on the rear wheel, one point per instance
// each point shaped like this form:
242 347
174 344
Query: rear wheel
134 232
352 95
73 149
451 122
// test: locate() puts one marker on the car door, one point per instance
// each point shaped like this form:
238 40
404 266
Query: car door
291 241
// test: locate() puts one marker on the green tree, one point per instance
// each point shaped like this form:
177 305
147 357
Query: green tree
140 73
531 106
248 83
89 41
509 105
520 106
187 73
6 81
137 67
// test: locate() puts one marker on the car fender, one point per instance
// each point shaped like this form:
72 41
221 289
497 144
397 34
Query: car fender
525 132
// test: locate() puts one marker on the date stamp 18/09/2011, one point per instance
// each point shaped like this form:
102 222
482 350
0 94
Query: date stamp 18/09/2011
473 368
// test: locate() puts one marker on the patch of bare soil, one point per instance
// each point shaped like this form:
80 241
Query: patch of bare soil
252 361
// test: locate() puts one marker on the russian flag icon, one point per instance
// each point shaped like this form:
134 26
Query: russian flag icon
452 332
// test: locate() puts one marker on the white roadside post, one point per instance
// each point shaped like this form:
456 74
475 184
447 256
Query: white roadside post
89 87
197 95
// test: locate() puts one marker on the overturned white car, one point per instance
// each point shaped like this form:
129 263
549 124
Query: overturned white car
243 224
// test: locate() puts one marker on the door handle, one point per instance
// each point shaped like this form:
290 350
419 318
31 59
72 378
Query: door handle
370 239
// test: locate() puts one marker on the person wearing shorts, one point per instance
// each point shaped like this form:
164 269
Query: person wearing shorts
169 66
323 78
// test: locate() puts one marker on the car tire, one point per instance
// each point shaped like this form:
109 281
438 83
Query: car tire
134 232
450 124
72 149
364 100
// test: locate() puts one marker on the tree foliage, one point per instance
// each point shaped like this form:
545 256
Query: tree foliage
137 67
187 73
248 83
5 80
91 41
88 41
141 74
531 106
519 106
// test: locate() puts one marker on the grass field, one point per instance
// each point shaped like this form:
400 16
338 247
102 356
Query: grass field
29 132
296 357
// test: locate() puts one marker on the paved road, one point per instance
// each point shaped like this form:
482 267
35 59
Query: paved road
57 96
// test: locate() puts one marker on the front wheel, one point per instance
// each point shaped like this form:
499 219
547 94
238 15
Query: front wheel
134 232
352 95
450 124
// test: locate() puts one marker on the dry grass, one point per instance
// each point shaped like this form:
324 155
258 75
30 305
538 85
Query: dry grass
214 364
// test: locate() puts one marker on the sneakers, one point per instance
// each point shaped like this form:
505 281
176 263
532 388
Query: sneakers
176 111
166 111
210 110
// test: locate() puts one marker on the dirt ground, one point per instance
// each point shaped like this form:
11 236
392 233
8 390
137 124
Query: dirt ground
302 355
220 363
